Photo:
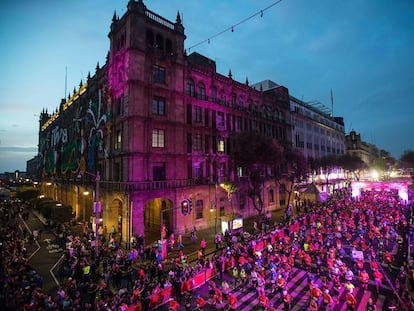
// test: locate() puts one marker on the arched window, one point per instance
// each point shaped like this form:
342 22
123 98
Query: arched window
201 91
223 97
150 38
233 100
159 42
190 87
168 46
213 94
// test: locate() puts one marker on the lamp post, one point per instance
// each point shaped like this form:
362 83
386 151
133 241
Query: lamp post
97 208
85 194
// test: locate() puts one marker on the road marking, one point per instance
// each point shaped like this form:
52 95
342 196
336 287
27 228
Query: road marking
53 268
36 242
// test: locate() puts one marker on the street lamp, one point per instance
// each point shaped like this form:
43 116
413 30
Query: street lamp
97 208
85 194
214 209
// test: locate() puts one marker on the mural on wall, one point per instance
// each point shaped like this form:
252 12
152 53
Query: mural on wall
97 126
74 147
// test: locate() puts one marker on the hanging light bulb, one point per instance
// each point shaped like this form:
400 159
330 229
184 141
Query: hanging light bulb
261 13
232 29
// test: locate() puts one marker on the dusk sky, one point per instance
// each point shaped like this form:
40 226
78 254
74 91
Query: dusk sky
361 49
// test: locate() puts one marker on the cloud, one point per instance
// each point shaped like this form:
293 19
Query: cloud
18 149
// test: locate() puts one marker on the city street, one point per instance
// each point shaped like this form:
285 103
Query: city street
43 254
248 299
44 258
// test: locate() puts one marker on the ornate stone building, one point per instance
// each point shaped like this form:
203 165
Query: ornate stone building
155 123
357 147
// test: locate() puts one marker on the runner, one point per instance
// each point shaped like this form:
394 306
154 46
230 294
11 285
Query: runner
378 279
263 302
370 305
364 276
173 305
350 301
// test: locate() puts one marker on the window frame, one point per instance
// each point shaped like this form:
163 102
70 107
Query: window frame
159 74
159 105
158 138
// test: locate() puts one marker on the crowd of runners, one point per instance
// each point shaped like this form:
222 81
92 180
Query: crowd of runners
347 242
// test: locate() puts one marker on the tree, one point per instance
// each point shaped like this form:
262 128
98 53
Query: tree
26 193
294 168
407 161
352 164
254 153
327 164
230 188
379 164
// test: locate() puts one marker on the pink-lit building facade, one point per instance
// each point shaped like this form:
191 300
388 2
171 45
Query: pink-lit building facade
155 123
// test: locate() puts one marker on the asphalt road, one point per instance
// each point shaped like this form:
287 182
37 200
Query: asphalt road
41 257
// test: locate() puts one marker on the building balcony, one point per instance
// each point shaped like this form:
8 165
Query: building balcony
131 186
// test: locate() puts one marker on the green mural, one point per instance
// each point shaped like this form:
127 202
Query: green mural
50 162
70 156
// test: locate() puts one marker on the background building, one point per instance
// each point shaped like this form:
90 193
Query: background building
356 147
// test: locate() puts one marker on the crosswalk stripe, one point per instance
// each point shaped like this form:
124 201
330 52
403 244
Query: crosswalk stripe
297 286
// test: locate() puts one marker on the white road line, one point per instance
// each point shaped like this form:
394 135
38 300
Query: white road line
53 268
37 243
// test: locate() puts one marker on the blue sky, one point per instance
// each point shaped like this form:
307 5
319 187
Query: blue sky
361 49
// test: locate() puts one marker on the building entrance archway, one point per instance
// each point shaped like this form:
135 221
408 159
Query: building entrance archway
114 217
158 212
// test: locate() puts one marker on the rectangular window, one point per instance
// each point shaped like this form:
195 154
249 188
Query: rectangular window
220 146
222 170
158 171
117 106
118 142
158 138
197 142
199 209
158 74
189 143
228 123
220 119
206 118
239 123
158 105
197 114
207 144
198 173
189 117
214 144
